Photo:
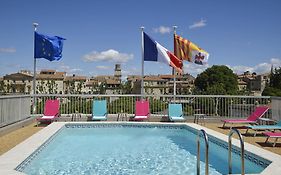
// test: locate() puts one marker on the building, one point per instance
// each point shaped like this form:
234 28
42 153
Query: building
50 82
20 82
162 84
253 83
117 72
75 85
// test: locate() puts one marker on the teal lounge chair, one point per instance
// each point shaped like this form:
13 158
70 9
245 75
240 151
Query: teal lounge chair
175 112
99 110
256 128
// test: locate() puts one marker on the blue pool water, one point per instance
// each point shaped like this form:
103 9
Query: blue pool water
128 150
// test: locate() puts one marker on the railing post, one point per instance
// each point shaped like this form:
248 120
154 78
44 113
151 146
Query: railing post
206 152
232 131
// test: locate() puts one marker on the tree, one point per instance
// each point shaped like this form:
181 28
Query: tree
2 87
217 80
41 87
126 88
273 88
79 87
102 88
52 86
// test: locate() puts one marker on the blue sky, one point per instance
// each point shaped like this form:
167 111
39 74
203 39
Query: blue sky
243 34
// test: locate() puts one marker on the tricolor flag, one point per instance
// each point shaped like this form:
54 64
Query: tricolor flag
153 51
48 47
186 50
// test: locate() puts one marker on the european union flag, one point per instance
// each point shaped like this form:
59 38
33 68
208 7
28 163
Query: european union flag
49 47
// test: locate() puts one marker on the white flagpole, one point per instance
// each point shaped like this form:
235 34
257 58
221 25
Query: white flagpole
142 63
34 71
174 71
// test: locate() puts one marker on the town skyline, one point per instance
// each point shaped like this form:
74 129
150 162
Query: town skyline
101 34
55 82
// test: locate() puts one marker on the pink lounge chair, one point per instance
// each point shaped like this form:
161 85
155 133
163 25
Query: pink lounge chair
142 111
51 111
275 135
252 119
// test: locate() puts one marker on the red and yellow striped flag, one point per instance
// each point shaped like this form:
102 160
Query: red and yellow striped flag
186 50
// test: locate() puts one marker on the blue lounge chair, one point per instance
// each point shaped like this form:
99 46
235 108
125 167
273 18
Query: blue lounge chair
175 112
256 128
99 110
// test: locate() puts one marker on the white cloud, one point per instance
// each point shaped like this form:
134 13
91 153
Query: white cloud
103 67
68 69
108 55
130 71
198 24
162 30
194 69
240 69
276 62
259 68
7 50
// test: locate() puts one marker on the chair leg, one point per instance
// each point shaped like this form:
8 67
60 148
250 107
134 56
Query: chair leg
255 133
247 131
266 140
275 141
223 124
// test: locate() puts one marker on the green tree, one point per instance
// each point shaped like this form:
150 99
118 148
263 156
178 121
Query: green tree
2 87
41 87
102 88
126 88
79 87
52 86
273 88
217 80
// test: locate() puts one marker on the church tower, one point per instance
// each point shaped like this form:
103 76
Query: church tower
117 72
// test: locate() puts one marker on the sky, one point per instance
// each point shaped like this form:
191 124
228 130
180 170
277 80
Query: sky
245 35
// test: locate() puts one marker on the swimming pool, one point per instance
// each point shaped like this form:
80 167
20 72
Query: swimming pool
131 148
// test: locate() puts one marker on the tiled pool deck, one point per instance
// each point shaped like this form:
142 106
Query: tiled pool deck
11 159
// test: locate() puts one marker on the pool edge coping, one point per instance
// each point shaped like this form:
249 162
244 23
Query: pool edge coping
14 157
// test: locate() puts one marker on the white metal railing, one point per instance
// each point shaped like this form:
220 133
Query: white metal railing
276 108
17 107
14 108
217 105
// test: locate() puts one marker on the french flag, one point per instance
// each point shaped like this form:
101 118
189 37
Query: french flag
153 51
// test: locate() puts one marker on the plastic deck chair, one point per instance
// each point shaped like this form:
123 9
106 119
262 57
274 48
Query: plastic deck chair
51 111
275 135
252 119
99 110
256 128
175 112
142 111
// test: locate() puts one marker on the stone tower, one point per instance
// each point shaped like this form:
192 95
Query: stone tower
117 71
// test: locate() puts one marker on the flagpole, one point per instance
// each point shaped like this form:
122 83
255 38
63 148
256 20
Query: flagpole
35 25
174 70
142 63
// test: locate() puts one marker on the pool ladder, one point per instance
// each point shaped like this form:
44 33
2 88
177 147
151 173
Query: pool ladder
232 131
206 152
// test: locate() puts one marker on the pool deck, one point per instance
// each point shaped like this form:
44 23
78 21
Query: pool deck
12 158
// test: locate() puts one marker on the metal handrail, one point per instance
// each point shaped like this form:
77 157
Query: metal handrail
206 152
232 131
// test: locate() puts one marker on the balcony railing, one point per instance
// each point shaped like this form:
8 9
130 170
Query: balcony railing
14 108
220 106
